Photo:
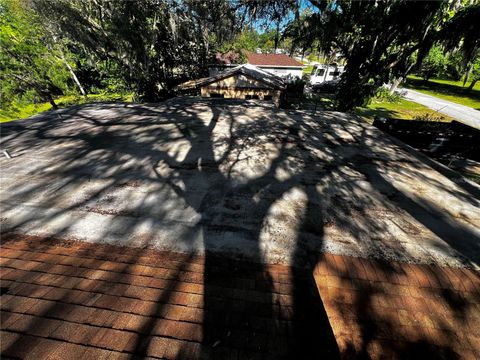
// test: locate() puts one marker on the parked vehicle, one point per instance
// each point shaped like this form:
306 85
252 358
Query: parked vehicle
322 73
326 86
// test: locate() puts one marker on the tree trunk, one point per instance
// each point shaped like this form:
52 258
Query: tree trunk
397 81
74 77
52 102
277 36
472 84
292 48
467 75
395 84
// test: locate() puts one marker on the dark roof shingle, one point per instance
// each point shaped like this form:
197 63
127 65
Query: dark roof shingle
272 60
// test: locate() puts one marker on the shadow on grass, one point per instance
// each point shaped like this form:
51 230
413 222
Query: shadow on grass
446 89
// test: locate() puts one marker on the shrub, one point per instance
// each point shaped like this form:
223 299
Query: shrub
429 118
383 94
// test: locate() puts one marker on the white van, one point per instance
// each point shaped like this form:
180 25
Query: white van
322 73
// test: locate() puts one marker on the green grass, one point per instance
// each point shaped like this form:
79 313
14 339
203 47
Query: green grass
21 111
403 109
319 59
447 89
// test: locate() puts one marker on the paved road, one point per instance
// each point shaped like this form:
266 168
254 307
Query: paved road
459 112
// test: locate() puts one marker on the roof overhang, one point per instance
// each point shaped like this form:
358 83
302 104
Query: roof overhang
248 70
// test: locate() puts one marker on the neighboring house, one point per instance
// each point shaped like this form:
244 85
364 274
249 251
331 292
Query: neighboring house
278 64
241 82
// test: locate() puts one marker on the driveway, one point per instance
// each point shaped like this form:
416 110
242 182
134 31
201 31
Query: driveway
462 113
241 178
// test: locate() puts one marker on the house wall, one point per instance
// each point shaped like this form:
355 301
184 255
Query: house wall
284 72
238 81
240 87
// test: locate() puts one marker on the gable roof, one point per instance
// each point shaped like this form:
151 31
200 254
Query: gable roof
246 69
272 60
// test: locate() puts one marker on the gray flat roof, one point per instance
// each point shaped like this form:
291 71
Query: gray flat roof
240 178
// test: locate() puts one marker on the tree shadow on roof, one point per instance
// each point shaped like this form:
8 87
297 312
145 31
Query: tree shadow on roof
240 181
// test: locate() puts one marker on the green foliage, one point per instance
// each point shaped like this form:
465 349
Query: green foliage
31 66
251 40
20 110
455 65
147 47
475 72
434 64
302 34
99 76
151 45
296 87
377 38
247 40
384 95
462 29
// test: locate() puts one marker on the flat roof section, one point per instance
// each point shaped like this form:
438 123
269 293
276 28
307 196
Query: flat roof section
243 179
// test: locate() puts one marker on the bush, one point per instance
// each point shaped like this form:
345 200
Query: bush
434 63
295 88
383 94
429 118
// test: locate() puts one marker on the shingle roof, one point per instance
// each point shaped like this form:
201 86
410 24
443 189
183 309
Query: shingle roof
90 301
272 60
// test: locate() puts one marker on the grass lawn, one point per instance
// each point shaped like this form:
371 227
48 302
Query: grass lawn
447 89
21 111
403 109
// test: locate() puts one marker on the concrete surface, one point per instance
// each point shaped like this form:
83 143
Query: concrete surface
462 113
236 177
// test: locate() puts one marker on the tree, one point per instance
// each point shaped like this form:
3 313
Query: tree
434 63
297 31
378 38
154 44
461 35
247 40
455 66
475 72
270 15
28 60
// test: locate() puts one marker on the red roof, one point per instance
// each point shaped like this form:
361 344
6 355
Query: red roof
272 60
